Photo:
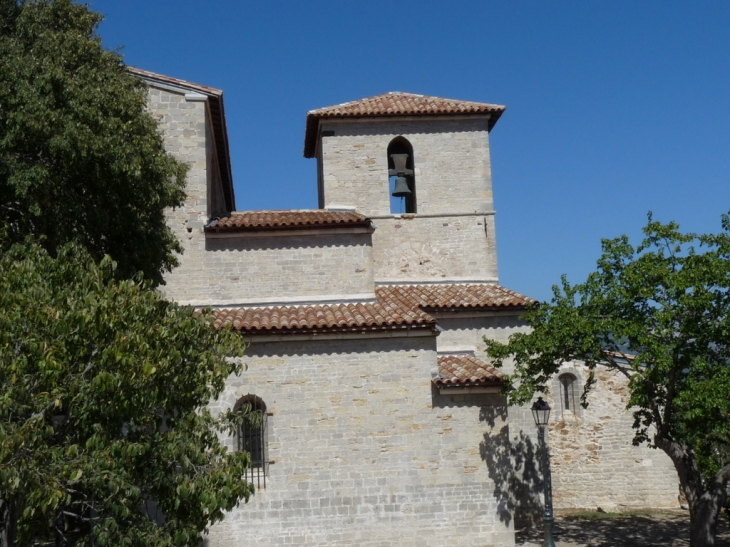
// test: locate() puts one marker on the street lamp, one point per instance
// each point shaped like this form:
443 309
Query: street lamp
541 414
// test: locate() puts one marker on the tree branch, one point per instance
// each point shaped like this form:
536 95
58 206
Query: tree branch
42 412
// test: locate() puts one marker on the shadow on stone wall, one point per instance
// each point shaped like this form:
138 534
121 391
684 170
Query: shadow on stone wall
514 466
362 348
286 242
497 403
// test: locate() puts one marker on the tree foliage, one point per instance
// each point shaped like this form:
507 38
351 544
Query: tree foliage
104 388
80 159
659 314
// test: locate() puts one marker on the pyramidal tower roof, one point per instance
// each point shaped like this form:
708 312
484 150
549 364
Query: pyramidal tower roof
396 103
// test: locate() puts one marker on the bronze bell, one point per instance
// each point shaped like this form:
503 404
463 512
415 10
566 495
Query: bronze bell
401 189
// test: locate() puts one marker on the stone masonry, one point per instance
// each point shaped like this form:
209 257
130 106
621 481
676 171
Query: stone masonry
184 120
453 235
593 447
288 267
409 248
364 452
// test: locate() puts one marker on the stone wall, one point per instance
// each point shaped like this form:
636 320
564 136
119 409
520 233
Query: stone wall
285 267
593 460
413 248
594 463
445 240
451 164
366 452
465 330
185 125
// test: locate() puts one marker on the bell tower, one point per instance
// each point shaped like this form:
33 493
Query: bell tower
419 166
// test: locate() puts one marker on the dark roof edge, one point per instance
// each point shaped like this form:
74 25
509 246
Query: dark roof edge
224 155
498 307
439 381
287 228
311 130
363 329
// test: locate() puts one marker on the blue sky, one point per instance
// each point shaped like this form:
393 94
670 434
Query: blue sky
613 109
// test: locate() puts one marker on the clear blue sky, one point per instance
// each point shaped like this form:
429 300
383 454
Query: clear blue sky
613 108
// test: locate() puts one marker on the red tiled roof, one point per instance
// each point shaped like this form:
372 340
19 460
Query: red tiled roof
397 306
465 371
363 316
286 220
439 296
395 104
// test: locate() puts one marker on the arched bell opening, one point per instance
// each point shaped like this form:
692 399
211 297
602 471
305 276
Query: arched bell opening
401 175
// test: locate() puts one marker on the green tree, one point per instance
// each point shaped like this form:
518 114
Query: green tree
104 388
80 159
660 315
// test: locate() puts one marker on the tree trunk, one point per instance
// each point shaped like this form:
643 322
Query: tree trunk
703 529
689 476
704 505
7 524
707 510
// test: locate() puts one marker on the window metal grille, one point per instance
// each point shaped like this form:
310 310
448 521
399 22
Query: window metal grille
567 392
252 435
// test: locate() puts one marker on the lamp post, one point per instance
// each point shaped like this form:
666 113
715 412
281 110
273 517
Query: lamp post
541 414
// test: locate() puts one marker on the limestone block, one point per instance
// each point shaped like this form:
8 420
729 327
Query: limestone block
366 452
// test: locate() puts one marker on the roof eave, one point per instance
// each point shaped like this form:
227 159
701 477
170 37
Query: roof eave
441 382
312 124
470 308
286 228
293 331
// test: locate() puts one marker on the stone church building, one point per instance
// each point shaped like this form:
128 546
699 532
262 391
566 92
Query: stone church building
383 423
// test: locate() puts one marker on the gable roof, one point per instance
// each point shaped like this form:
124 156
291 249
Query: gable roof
451 296
395 103
218 121
253 221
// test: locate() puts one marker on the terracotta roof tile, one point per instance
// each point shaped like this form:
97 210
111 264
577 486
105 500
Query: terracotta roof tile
395 104
465 371
361 316
286 220
439 296
397 306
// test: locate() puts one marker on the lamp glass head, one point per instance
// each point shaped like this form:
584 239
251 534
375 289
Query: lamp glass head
541 412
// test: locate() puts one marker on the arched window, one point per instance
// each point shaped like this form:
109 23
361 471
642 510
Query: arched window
252 437
401 175
568 396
